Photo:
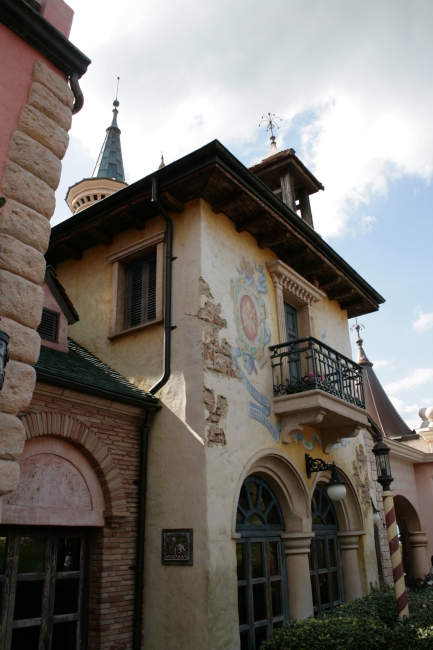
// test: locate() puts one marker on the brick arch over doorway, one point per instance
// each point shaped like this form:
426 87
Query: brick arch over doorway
80 434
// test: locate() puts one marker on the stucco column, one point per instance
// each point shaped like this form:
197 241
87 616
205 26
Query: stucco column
349 543
296 549
418 554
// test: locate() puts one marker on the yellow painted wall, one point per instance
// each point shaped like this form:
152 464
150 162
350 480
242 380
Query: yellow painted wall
195 483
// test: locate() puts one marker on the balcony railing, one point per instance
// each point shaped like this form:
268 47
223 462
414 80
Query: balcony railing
307 364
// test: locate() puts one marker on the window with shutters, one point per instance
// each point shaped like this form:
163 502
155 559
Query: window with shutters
141 291
49 326
137 285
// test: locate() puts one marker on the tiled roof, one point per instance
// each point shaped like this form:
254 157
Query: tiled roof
80 370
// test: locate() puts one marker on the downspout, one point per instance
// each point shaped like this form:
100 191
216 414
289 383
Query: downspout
167 293
141 522
142 482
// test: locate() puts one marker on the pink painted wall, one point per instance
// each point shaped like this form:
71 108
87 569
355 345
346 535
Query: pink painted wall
17 60
59 14
424 484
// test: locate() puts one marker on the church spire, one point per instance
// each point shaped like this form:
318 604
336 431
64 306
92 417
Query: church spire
110 161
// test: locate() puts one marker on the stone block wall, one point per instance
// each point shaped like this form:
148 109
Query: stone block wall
108 434
377 497
31 176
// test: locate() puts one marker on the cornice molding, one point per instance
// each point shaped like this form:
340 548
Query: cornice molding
136 247
294 283
409 454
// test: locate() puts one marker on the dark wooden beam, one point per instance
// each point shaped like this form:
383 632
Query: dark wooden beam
350 303
251 222
171 202
227 203
273 240
71 251
342 292
100 236
133 220
297 253
327 280
308 268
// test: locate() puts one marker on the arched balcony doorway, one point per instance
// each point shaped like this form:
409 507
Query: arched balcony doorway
325 562
262 586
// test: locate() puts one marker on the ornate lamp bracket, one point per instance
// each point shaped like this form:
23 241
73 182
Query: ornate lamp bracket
316 465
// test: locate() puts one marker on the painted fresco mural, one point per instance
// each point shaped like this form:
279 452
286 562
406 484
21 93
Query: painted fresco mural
253 335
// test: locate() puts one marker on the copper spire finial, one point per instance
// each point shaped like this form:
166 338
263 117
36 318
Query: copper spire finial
270 126
362 357
110 162
162 163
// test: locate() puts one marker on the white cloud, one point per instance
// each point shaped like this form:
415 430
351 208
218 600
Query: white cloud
424 322
198 70
366 224
409 412
381 363
416 377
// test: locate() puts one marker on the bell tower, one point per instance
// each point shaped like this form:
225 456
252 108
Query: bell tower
287 176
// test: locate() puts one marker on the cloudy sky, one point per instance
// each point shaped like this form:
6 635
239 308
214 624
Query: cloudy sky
352 83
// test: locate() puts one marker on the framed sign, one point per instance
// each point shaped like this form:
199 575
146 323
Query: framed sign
177 546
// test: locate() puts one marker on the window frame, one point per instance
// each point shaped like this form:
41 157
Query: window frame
49 577
261 534
325 532
296 291
120 261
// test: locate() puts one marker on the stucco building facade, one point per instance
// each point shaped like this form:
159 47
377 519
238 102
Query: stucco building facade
227 451
169 438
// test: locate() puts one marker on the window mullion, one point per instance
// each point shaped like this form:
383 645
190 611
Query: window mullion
82 597
9 589
250 601
48 594
145 293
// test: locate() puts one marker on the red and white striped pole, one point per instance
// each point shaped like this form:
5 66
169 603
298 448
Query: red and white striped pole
395 552
384 477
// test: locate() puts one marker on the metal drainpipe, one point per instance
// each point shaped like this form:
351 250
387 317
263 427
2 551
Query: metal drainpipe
142 483
141 522
167 294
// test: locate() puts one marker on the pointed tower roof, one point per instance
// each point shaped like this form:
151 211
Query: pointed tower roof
377 402
110 161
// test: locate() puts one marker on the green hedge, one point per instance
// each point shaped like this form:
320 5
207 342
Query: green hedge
369 623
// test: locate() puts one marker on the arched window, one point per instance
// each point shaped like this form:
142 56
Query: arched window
325 564
261 571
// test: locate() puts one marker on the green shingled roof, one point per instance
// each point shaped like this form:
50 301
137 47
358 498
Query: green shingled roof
82 371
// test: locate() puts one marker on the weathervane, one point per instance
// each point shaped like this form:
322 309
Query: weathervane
357 327
270 126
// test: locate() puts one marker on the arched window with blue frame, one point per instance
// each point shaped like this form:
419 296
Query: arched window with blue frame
261 569
325 564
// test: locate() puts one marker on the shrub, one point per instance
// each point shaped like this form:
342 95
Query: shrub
369 623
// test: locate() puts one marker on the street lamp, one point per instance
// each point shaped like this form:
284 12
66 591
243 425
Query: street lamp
385 478
336 488
4 355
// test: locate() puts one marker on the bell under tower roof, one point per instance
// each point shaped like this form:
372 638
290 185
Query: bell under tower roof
110 161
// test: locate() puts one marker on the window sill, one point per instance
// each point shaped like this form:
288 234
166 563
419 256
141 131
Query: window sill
137 328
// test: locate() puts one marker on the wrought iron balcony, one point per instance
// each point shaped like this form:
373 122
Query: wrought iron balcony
308 364
316 387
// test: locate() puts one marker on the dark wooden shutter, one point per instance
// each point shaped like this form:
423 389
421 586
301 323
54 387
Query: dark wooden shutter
49 325
141 291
